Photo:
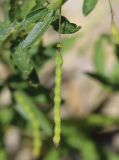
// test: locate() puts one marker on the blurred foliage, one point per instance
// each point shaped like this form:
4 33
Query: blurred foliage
23 52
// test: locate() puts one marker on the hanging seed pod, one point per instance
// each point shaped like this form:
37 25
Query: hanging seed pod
57 99
28 109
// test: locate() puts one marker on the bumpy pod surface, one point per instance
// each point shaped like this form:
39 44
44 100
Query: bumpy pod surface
57 99
27 107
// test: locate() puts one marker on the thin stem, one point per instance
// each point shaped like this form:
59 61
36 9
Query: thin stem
111 11
60 19
59 32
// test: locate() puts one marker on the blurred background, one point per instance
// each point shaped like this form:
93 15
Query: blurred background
90 93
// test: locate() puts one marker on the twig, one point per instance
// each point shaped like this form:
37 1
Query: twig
111 11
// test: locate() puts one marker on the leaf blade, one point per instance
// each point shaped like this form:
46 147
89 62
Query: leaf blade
66 26
88 6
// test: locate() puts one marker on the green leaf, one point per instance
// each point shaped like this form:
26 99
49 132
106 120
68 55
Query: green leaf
35 15
81 142
37 32
88 6
114 76
5 30
66 26
101 120
101 78
106 81
22 59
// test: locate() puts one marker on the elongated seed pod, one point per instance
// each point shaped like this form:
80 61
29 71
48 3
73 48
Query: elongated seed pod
27 108
57 99
36 139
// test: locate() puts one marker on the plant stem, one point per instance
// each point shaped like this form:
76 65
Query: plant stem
111 11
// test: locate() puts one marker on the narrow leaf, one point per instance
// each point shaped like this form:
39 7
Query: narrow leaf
88 6
21 58
38 31
6 29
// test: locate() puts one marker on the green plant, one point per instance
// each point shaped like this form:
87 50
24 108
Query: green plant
23 51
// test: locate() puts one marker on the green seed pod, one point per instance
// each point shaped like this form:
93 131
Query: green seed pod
36 140
27 108
57 99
